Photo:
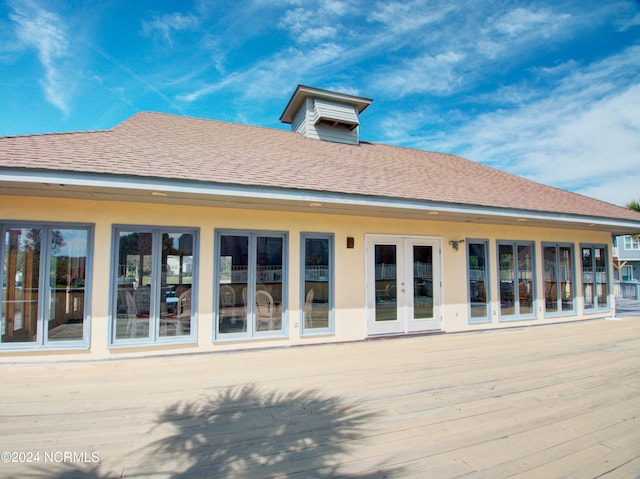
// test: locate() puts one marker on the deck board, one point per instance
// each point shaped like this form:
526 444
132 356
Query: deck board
554 401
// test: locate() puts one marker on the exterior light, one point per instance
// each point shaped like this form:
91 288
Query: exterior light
455 244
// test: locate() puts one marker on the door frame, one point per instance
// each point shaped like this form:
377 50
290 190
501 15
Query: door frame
405 324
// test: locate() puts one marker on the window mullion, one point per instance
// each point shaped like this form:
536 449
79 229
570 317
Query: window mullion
252 277
44 285
156 281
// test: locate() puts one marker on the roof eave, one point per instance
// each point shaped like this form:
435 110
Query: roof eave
103 187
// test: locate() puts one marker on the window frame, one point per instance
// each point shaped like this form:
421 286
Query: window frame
251 333
487 280
574 310
517 315
154 339
330 329
42 341
607 261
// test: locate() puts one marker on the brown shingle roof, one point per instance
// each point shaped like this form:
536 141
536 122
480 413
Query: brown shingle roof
174 147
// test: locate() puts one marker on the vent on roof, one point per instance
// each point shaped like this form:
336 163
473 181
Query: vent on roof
325 115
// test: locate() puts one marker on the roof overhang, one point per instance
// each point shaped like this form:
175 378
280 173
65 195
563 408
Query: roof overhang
100 187
303 92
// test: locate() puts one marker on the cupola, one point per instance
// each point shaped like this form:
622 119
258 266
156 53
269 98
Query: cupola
324 114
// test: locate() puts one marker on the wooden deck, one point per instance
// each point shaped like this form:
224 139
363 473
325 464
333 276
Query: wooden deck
545 402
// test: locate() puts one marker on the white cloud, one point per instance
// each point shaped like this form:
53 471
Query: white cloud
315 22
437 75
273 75
519 21
585 130
168 23
46 32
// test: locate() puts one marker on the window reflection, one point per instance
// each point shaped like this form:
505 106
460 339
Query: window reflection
317 282
517 279
386 283
154 279
478 280
251 284
595 277
67 279
44 308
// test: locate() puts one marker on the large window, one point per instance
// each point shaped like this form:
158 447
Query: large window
478 270
251 284
317 291
45 282
595 277
516 264
559 286
154 280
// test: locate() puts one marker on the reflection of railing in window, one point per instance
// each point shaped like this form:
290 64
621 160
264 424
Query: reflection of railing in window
316 273
477 274
269 274
385 271
506 274
600 275
265 274
422 270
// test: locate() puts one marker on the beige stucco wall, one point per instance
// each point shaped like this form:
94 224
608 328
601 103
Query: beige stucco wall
350 322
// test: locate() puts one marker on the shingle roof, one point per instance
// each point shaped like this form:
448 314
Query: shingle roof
165 146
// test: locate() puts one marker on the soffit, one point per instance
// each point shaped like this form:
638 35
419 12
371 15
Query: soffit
307 202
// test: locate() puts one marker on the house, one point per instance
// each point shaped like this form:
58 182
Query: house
626 263
626 255
168 234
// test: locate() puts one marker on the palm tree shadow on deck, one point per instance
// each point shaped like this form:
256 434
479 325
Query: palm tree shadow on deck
245 432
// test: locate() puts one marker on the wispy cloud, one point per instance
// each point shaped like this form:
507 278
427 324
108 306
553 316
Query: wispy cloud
269 77
585 129
45 31
168 23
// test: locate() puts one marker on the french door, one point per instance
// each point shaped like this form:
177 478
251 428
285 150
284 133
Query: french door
404 293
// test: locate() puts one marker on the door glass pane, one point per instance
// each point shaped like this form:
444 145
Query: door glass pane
67 284
566 278
587 278
478 283
600 256
175 289
234 272
21 279
550 279
269 296
422 282
316 283
386 283
525 278
134 285
507 271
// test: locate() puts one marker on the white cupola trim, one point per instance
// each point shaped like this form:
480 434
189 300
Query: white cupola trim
325 115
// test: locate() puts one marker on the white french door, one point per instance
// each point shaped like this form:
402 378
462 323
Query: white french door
404 293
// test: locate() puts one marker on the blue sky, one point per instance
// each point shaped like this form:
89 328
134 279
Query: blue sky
549 90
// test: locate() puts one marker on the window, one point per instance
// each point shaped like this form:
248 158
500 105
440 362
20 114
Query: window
154 281
517 279
45 281
559 286
595 277
631 243
317 291
627 273
478 274
251 281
